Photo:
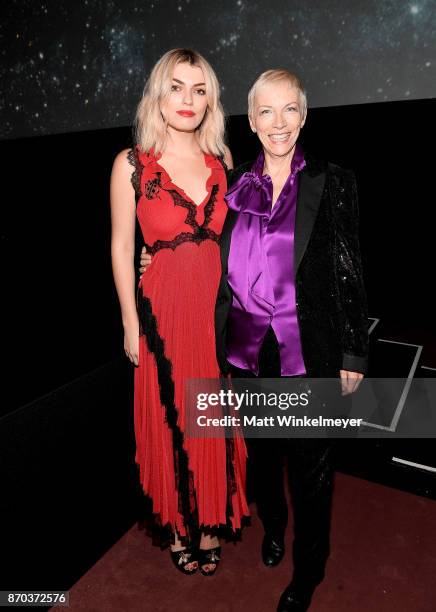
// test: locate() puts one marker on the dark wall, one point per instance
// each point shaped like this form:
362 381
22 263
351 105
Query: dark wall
61 316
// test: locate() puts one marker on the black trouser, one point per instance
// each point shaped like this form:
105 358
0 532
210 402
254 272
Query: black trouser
310 472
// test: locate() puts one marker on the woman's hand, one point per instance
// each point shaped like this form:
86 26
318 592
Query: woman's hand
145 260
350 381
131 343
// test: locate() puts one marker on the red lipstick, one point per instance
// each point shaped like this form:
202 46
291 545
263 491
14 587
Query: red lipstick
185 113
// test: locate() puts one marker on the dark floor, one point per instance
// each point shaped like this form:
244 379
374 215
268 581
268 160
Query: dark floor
383 558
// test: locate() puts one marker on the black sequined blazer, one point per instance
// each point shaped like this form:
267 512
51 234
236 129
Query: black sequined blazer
330 295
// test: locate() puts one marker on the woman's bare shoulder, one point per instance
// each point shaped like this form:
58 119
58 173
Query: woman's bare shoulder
124 164
125 158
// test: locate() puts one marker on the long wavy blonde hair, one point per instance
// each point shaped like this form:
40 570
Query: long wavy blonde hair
150 128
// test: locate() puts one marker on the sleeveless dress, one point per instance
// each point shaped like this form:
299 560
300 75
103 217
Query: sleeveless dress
192 483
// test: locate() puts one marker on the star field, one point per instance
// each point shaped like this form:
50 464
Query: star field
69 66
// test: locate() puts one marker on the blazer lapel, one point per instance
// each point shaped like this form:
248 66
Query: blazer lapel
226 236
310 190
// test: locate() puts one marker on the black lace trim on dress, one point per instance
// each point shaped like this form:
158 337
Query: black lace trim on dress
209 208
135 179
187 505
221 160
200 233
199 236
156 345
179 200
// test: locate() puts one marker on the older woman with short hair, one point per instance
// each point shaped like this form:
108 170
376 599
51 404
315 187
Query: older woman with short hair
291 302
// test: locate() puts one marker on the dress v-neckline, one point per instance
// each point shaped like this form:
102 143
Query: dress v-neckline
182 191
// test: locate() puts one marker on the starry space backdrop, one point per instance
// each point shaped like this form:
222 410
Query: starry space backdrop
75 65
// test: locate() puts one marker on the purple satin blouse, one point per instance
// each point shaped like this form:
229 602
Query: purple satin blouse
261 269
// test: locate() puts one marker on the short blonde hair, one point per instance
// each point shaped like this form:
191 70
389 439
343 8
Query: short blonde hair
150 128
272 76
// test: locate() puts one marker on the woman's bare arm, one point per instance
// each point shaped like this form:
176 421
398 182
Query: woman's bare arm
122 200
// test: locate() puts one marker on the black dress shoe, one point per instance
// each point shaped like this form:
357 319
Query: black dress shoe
295 600
273 550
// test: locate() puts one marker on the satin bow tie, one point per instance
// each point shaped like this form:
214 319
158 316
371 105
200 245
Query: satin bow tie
251 194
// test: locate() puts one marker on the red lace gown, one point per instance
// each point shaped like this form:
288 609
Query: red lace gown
191 482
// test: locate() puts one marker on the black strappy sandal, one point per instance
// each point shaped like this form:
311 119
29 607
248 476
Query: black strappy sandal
182 558
208 557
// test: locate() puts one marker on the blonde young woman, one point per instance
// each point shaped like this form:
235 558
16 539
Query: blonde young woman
174 182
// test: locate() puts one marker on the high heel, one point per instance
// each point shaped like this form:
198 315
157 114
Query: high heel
208 557
182 558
